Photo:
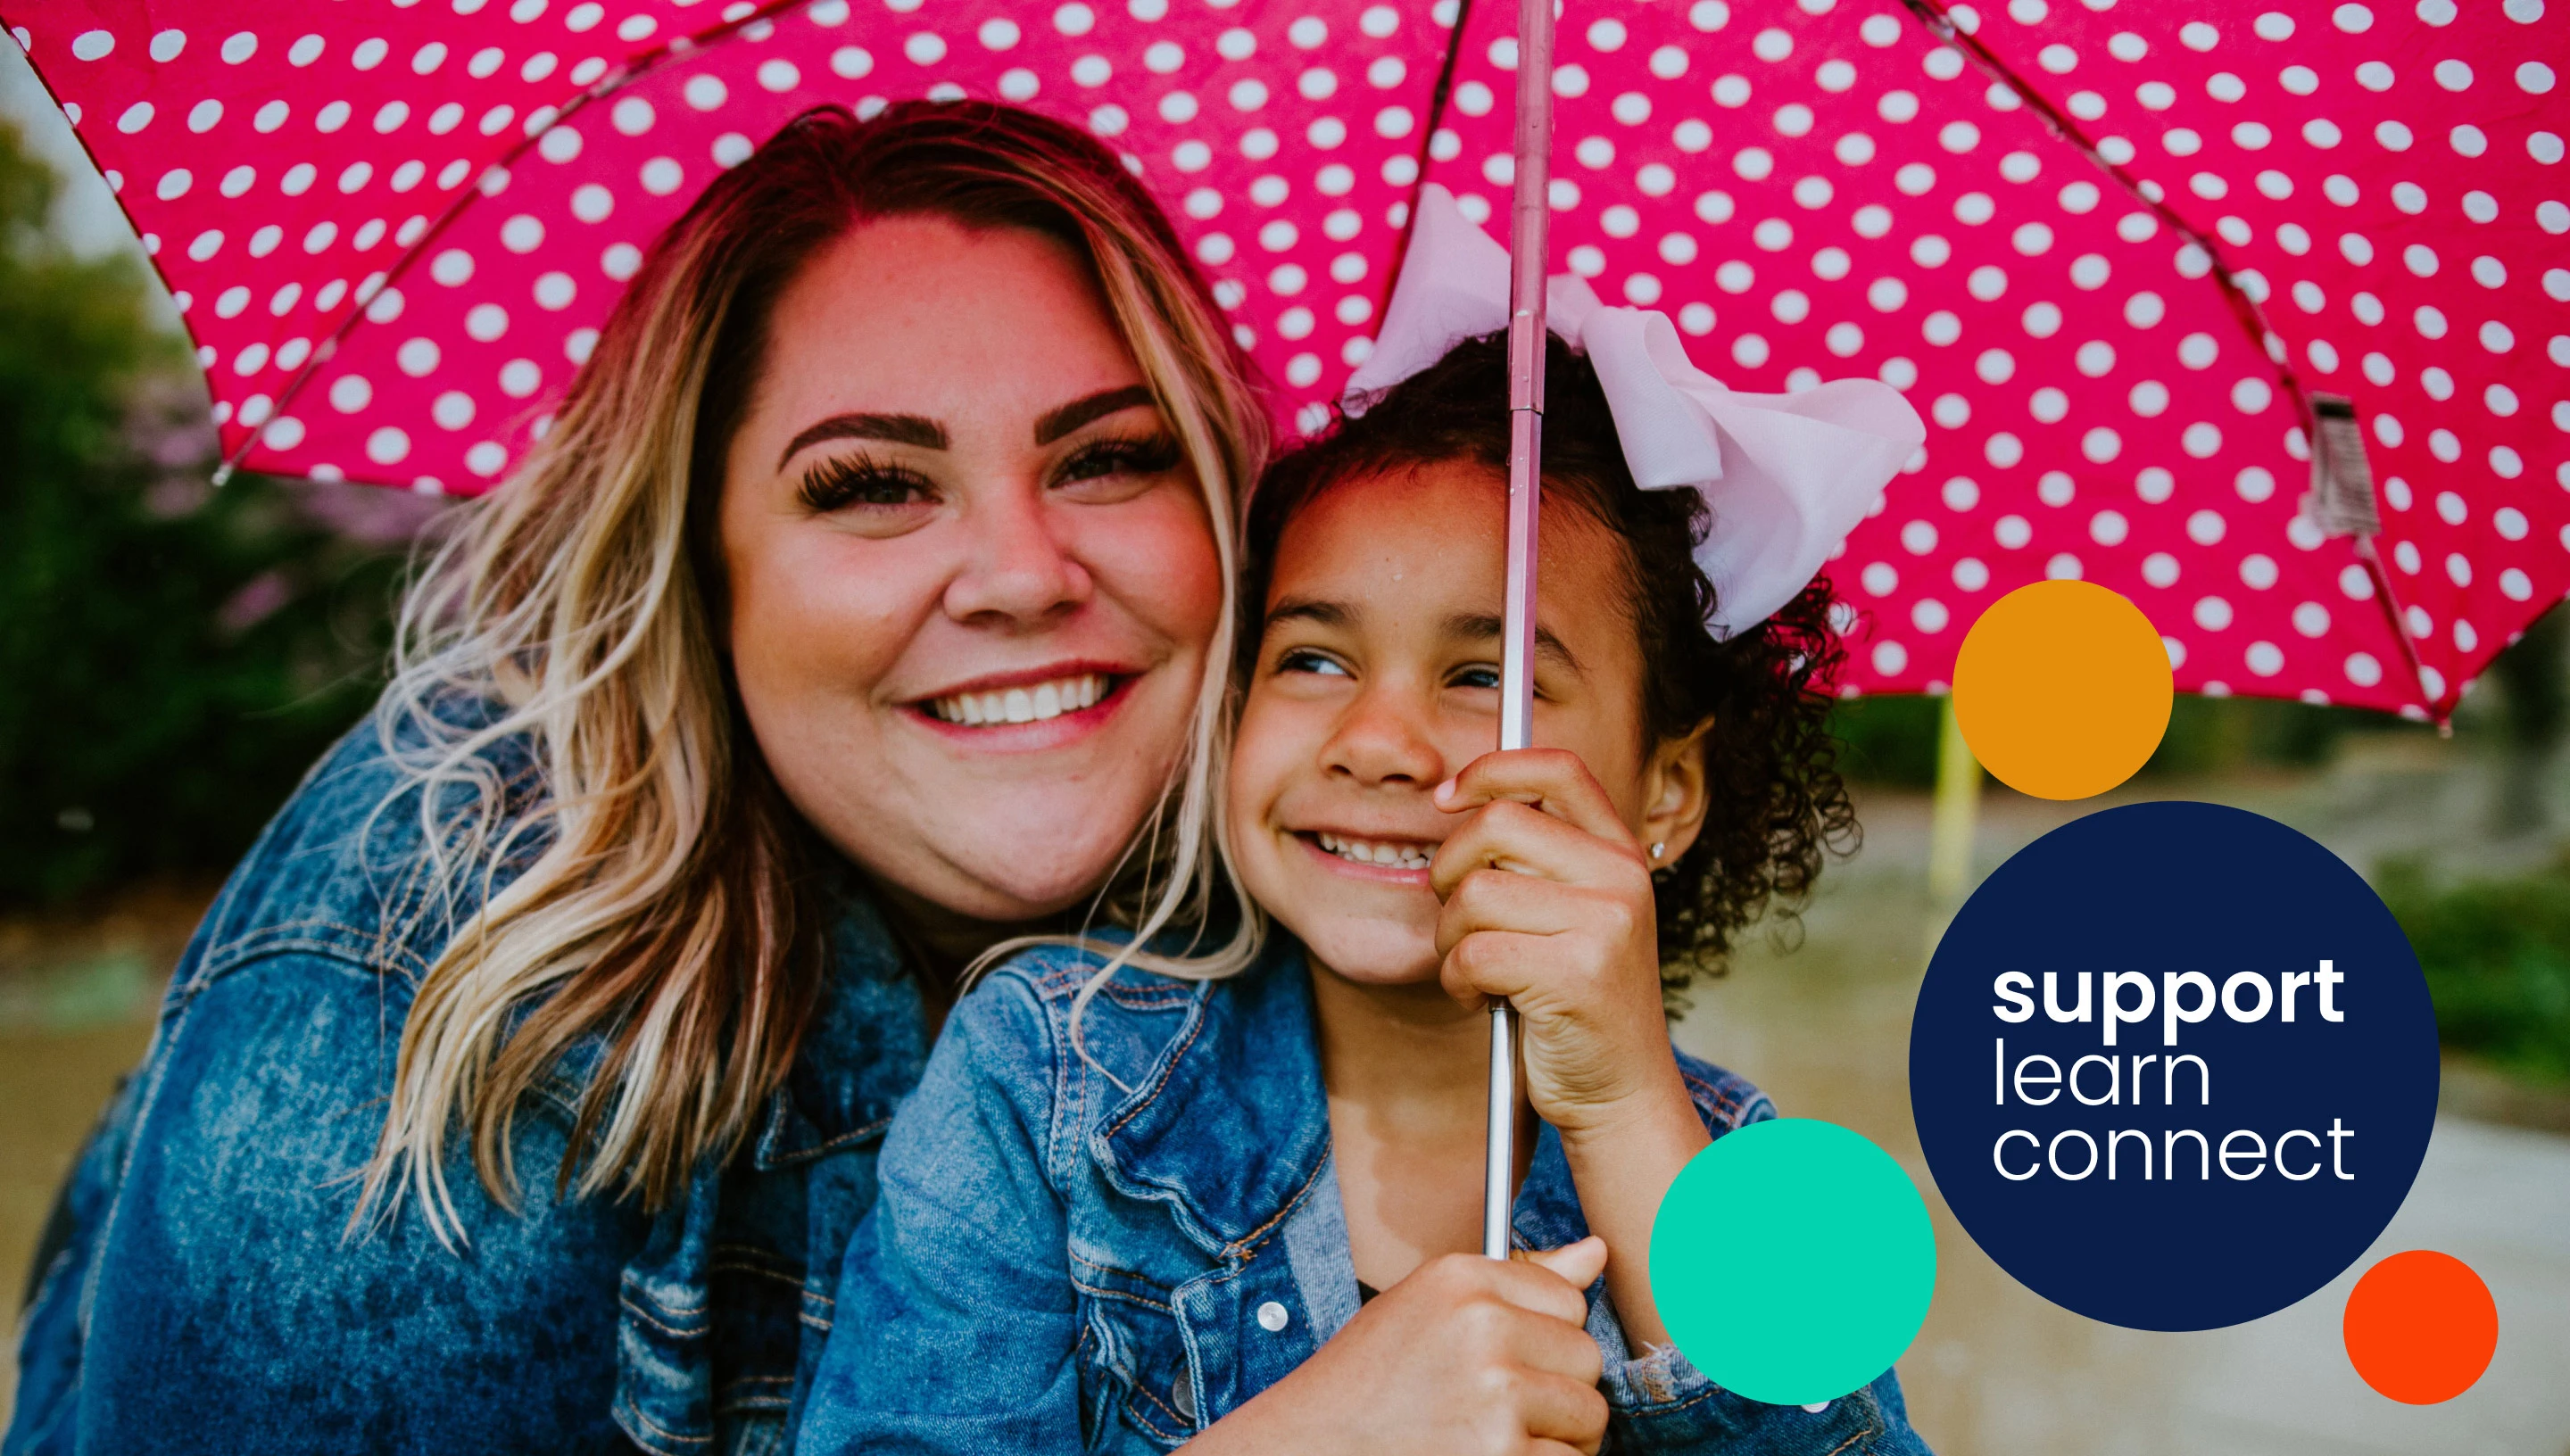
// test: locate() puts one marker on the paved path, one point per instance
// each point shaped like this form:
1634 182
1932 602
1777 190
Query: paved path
1999 1371
2497 1198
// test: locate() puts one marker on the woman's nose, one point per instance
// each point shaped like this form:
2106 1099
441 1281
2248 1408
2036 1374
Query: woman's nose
1385 739
1016 566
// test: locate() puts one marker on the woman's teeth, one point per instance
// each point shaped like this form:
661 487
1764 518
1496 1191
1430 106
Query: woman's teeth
1376 852
1022 704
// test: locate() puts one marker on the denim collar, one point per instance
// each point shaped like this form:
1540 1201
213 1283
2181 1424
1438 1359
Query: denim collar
865 1044
1230 1125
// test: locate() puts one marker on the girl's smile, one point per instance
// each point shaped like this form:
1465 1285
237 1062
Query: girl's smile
1388 861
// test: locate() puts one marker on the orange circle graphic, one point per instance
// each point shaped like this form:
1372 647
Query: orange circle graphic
2062 689
2420 1326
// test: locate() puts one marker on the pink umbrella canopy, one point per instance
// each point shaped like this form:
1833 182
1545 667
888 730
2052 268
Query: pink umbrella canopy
2111 250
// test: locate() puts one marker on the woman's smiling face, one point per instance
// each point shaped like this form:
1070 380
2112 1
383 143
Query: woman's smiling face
970 580
1377 678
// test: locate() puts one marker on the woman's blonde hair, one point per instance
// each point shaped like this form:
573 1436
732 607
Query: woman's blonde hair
660 938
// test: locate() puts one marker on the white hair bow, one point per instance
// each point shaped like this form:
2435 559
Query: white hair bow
1787 475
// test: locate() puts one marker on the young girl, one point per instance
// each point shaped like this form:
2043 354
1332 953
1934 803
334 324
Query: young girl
1128 1210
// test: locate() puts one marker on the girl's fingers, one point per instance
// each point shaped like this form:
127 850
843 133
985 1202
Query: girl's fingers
1556 1408
1497 901
1560 1348
1524 840
1551 779
1505 965
1578 1264
1536 1289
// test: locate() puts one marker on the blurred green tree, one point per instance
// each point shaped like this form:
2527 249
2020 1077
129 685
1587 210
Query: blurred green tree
174 655
2497 957
1888 740
2535 701
1893 739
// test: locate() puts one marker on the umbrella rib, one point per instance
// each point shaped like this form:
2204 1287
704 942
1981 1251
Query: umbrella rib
632 68
2244 309
2440 709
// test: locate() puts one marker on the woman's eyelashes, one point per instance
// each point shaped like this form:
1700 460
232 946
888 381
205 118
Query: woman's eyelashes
860 480
1117 455
845 481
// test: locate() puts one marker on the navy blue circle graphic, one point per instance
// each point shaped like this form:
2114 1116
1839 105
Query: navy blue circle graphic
2174 1066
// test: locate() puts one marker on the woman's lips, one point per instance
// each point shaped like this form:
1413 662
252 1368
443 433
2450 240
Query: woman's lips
1025 717
1026 703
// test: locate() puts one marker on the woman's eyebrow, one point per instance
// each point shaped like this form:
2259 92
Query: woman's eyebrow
1059 422
917 430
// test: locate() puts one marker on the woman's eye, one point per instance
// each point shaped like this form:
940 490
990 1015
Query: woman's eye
1318 663
855 482
1104 458
1475 677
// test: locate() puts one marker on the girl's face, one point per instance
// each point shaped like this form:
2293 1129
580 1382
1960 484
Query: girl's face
1377 677
972 583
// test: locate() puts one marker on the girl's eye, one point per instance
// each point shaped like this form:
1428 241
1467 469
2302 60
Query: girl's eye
1149 455
1476 677
848 480
1305 660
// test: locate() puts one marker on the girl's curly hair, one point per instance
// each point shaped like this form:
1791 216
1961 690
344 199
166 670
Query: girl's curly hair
1777 806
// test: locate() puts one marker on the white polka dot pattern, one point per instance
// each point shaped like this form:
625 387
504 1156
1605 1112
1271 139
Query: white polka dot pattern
414 217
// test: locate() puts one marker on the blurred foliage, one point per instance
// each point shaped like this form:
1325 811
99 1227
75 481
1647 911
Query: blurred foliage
2534 689
2498 956
1888 740
2217 735
1892 740
175 655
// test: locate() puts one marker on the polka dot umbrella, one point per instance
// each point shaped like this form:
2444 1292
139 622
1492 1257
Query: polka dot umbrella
2134 260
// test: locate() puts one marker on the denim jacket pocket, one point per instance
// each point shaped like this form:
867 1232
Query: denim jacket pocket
1134 1366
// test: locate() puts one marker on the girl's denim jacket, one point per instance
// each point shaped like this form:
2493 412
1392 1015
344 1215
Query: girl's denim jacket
201 1287
1110 1253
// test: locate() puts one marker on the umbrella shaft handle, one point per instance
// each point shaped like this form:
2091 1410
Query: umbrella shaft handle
1530 217
1500 1169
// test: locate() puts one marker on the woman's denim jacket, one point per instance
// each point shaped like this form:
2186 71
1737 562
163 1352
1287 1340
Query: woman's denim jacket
1108 1254
201 1287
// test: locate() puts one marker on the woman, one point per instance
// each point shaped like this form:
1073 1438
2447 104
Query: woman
521 1087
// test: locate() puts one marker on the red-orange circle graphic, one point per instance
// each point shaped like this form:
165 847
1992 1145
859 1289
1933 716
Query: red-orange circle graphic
2420 1326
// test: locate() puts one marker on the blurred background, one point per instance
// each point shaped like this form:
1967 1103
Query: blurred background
175 656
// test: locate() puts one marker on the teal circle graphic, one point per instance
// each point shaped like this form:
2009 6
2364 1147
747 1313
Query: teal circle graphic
1793 1262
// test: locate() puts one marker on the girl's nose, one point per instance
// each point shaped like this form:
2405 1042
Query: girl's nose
1016 570
1384 740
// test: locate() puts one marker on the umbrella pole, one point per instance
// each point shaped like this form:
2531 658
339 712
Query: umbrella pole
1530 218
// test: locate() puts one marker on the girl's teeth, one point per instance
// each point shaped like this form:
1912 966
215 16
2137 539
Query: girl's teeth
1022 705
1367 852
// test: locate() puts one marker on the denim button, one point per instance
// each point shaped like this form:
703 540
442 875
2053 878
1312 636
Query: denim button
1272 1316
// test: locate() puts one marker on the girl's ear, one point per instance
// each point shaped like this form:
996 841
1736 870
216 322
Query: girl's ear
1675 796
